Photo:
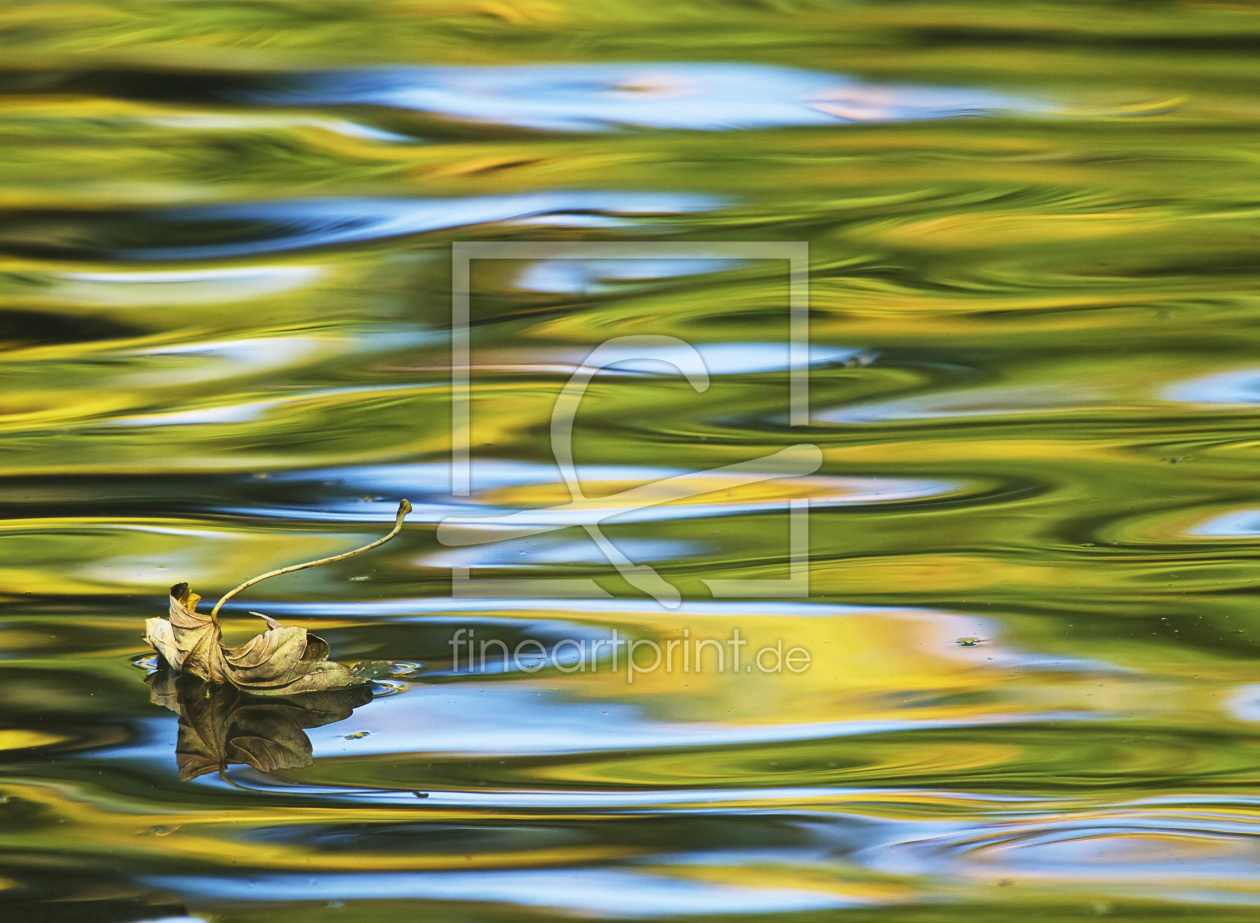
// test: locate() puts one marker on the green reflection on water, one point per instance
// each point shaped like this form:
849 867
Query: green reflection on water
1037 420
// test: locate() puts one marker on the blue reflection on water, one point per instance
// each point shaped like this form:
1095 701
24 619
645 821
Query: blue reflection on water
1238 523
510 720
1237 387
607 892
602 97
585 276
289 225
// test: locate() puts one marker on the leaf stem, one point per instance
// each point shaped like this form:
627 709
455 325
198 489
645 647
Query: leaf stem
403 509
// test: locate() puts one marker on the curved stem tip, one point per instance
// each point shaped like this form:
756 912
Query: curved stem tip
403 509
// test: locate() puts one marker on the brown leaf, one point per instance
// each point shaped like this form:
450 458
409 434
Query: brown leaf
279 661
284 661
190 642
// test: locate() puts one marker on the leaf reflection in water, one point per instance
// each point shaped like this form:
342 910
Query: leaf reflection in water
221 726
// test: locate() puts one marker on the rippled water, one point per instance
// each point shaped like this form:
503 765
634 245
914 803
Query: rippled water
226 308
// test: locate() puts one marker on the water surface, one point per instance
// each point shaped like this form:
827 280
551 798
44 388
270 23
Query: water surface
225 308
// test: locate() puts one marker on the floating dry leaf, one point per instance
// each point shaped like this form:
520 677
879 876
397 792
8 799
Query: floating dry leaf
189 641
279 661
